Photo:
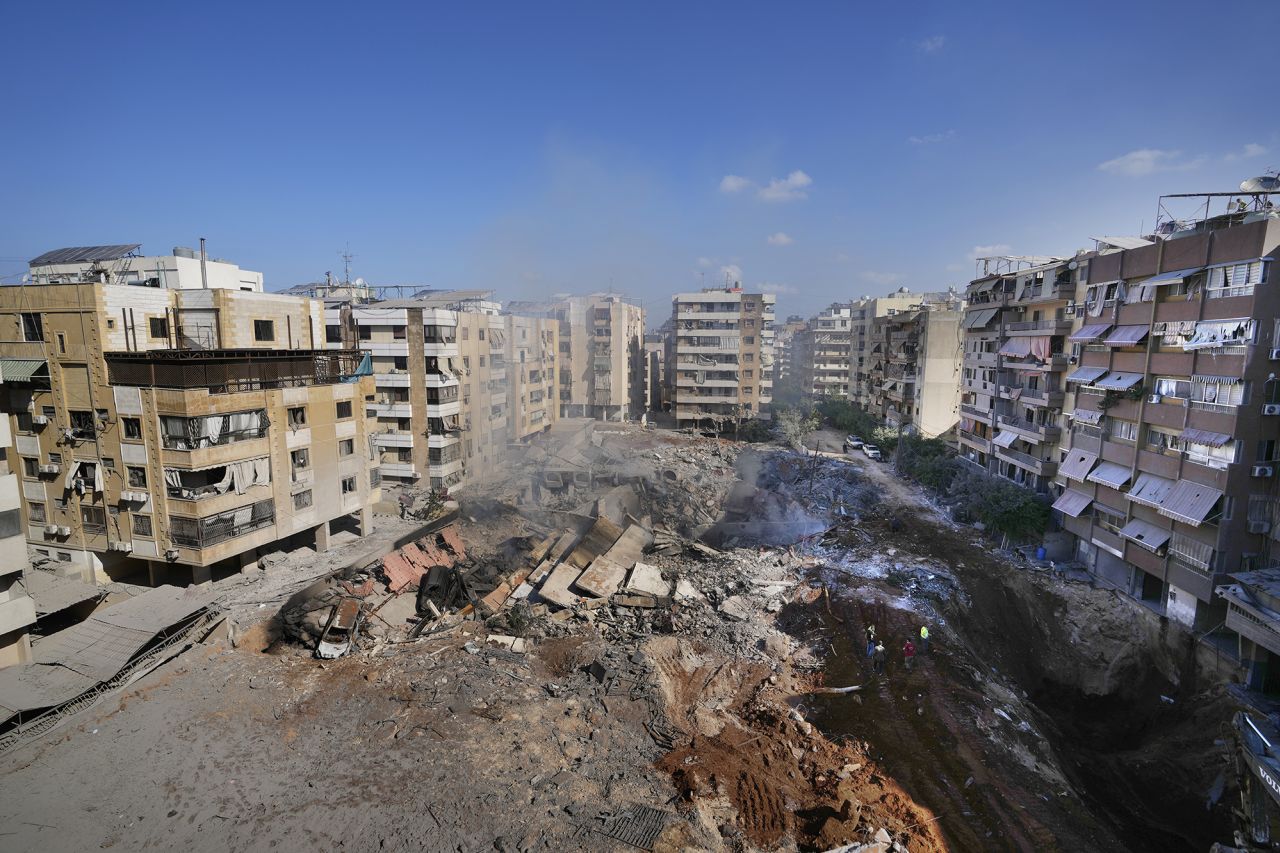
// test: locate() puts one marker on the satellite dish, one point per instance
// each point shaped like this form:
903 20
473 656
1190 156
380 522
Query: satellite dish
1262 184
359 282
1073 265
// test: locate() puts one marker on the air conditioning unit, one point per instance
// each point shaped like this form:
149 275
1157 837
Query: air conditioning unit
1275 354
50 468
1260 527
39 420
51 529
171 554
64 531
118 545
1155 398
1262 471
134 497
1271 409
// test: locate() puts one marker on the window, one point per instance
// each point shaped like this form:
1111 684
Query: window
62 342
81 423
346 447
466 362
749 374
749 357
30 468
480 334
1267 450
482 361
400 362
32 327
366 333
137 476
300 458
55 458
297 417
109 462
1124 430
333 334
375 477
264 330
64 556
93 519
344 409
132 428
158 327
348 485
142 525
35 512
302 500
1167 386
398 332
1108 519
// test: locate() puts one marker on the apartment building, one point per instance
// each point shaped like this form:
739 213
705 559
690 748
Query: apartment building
17 609
531 350
1172 430
820 352
914 366
171 433
602 360
862 316
655 350
722 356
185 269
1016 356
784 371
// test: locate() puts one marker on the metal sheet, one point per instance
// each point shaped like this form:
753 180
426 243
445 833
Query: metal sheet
1088 333
36 686
1126 336
1110 474
85 254
1146 534
1150 490
1078 464
1072 503
1190 502
156 609
93 649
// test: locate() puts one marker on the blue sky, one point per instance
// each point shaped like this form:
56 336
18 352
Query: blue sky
823 149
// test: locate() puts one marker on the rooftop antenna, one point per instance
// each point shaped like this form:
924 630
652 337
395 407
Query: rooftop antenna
346 264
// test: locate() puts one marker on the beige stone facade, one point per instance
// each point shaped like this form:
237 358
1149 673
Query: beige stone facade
915 361
722 356
17 610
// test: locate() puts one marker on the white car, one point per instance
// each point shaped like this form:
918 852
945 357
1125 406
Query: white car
851 443
872 451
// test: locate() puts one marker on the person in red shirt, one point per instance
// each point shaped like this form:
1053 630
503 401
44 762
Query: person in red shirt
909 654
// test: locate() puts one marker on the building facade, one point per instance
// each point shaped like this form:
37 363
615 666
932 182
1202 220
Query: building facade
916 358
182 270
820 352
171 433
17 609
863 314
722 356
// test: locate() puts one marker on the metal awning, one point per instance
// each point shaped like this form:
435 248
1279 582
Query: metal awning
22 369
980 318
1016 347
1172 277
983 286
1126 336
85 254
1190 502
1146 534
1119 381
1210 379
1204 436
1089 333
1005 438
1150 490
1110 474
1072 503
1078 464
1086 374
1087 416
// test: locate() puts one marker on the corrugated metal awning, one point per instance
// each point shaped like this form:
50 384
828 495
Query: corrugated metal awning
1078 464
1190 502
22 369
1072 503
1086 374
1087 416
1172 277
1005 438
1016 347
1091 332
1146 534
1204 436
1119 381
980 318
1110 474
1150 490
1126 336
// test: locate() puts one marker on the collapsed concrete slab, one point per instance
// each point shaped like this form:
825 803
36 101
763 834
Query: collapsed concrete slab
647 580
602 578
555 588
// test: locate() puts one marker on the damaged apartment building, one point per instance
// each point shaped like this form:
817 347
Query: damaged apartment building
457 381
721 357
819 353
914 364
863 314
1136 386
168 433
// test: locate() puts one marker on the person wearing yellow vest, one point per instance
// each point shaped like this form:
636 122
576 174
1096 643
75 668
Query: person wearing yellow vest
924 639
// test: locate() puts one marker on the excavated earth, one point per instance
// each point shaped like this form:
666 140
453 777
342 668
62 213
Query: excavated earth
1036 722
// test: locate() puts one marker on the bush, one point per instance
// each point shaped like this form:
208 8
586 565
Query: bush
929 462
755 431
847 417
1003 507
794 425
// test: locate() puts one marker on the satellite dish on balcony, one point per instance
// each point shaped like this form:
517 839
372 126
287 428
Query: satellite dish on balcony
1261 184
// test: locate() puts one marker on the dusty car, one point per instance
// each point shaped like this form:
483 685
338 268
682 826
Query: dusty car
339 635
871 451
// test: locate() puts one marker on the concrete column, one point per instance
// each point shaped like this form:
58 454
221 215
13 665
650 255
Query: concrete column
155 572
249 562
366 520
322 537
201 574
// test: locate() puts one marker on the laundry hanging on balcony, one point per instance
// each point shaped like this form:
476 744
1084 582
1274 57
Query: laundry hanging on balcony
365 368
1220 333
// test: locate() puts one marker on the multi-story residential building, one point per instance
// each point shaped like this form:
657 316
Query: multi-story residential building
722 358
17 609
862 315
185 269
1016 355
820 352
533 375
655 349
784 371
916 358
172 433
601 354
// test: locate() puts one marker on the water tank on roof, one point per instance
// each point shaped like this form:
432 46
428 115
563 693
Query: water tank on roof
184 252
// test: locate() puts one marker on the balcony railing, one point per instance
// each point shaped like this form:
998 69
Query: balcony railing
211 530
224 371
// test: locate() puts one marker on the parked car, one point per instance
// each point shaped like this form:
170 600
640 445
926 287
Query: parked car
872 451
851 442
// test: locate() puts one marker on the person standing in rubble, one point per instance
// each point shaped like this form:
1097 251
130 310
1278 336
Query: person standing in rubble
878 657
909 654
871 639
924 639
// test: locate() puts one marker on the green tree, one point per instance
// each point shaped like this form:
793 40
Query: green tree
794 425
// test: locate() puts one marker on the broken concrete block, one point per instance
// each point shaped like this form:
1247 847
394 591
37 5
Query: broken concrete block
602 578
556 587
687 592
647 580
594 603
522 592
736 607
648 601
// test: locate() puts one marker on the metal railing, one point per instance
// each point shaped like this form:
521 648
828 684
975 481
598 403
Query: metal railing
211 530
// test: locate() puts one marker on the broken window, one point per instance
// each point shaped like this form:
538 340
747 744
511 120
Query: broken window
35 512
348 485
93 519
137 476
132 428
179 433
343 409
198 484
264 330
297 416
346 447
300 459
302 500
158 327
142 525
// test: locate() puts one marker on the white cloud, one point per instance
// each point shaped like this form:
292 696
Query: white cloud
773 287
884 279
932 44
991 251
780 239
705 263
1146 161
733 184
790 188
932 138
1250 151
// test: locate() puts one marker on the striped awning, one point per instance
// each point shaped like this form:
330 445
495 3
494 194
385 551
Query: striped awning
1126 336
22 369
1086 374
1206 437
1078 464
1089 333
1172 277
1190 502
1110 474
1150 490
1087 416
1119 381
1005 438
1072 503
1016 347
1146 534
979 318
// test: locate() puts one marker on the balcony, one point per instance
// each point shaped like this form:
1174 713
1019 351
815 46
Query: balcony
1032 396
1046 292
1037 327
975 441
198 533
391 380
970 411
981 359
1030 429
1042 467
393 438
230 371
389 409
445 380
